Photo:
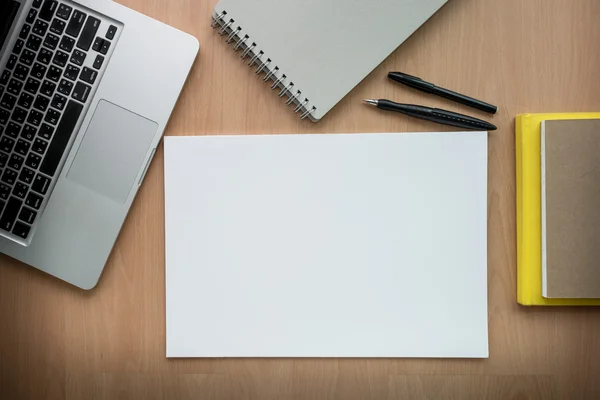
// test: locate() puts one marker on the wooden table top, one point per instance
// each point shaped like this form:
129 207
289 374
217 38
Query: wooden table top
57 342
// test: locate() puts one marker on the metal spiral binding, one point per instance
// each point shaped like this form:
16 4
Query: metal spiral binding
250 49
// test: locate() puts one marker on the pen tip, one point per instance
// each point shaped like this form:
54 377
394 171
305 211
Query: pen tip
371 102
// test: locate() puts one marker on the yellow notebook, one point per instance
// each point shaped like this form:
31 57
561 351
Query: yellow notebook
529 232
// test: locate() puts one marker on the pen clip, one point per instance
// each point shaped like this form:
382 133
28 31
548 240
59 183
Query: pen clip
412 81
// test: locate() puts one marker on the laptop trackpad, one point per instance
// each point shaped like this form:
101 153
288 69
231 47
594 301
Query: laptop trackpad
112 152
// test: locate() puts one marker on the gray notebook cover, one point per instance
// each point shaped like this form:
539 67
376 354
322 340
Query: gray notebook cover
325 47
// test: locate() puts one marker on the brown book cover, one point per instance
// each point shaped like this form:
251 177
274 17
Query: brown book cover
571 209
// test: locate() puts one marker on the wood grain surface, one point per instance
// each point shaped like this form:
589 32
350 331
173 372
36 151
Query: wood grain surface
57 342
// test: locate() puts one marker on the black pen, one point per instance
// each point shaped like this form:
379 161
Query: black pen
420 84
434 114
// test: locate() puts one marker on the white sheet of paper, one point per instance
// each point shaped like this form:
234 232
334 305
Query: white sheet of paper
342 245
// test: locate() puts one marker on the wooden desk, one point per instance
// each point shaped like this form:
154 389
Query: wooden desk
57 342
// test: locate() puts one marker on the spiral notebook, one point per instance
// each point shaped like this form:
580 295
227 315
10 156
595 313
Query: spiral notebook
313 52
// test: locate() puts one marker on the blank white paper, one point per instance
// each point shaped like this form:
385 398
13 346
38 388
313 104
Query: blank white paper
357 245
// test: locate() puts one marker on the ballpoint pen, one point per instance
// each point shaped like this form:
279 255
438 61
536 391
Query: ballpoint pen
433 114
420 84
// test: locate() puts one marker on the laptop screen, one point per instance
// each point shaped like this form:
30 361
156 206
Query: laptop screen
8 12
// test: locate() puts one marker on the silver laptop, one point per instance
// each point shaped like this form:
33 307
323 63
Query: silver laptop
86 89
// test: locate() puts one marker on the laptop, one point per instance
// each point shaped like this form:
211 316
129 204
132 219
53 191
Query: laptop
86 90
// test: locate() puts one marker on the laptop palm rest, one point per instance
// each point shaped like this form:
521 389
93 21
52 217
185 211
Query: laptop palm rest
113 151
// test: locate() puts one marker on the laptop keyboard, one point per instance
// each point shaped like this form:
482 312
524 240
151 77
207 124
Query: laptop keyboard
44 89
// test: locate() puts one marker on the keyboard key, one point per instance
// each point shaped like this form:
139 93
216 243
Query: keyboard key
13 130
27 175
60 58
3 159
58 26
88 33
19 115
37 3
78 57
35 117
40 27
48 88
58 102
46 131
41 184
44 56
9 176
16 162
4 77
10 213
81 92
21 72
22 147
2 204
98 61
31 16
98 44
21 230
4 116
20 190
33 160
48 9
18 46
33 200
51 41
64 11
61 138
4 191
25 100
6 144
32 85
29 132
41 103
12 61
38 71
54 73
24 31
34 42
112 30
66 44
76 23
105 47
88 75
52 116
14 87
8 101
27 215
39 146
72 72
65 87
27 57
